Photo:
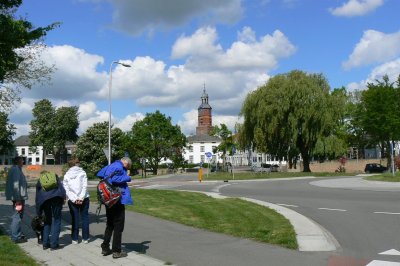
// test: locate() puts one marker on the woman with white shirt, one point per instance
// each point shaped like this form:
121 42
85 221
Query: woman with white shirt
75 184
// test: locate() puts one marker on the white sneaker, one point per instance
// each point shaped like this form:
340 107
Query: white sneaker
74 242
85 241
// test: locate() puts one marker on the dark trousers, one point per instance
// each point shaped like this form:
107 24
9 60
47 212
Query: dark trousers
79 212
115 226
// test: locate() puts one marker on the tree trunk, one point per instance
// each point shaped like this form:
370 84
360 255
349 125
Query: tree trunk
306 163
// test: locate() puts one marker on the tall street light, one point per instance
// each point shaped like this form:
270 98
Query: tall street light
109 108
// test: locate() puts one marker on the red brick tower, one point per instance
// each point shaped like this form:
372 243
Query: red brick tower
204 116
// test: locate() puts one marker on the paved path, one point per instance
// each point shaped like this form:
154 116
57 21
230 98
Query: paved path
69 254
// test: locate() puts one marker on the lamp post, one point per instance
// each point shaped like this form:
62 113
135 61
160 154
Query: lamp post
109 108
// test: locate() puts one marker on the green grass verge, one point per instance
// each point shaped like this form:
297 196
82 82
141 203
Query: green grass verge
386 177
11 254
229 216
252 175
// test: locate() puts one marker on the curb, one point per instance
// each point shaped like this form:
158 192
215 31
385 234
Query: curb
310 235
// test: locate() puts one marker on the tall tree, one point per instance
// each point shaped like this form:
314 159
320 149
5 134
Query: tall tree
227 142
66 120
90 146
380 113
290 112
155 138
42 126
7 131
52 128
20 62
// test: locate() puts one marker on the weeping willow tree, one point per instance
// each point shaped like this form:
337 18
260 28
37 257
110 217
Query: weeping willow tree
286 116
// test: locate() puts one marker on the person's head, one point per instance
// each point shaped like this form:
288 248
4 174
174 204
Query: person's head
127 162
74 162
19 160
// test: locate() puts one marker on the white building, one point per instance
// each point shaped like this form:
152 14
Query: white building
198 146
33 157
202 144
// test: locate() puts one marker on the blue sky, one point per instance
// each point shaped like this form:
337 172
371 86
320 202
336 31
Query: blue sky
177 46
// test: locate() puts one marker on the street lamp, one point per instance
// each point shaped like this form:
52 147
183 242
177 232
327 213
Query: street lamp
109 108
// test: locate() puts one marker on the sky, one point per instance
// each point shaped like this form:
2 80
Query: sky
176 48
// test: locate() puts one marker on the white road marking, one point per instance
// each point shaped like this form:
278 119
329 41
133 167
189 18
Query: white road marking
391 252
287 205
393 213
383 263
328 209
216 189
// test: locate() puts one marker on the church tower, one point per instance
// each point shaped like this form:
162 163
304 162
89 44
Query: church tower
204 115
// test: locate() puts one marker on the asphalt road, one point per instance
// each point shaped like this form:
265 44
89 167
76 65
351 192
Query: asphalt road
363 221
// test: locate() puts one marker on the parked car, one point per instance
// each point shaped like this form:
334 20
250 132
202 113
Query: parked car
374 168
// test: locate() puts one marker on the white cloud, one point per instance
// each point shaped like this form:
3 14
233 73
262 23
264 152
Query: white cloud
86 110
356 8
137 16
203 53
227 74
189 123
392 69
75 75
374 47
127 122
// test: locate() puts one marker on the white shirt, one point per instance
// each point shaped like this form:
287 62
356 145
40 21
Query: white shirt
75 184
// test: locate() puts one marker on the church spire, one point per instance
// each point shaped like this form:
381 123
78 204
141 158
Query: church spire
204 115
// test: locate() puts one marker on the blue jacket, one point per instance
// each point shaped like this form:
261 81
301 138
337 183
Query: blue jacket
120 179
42 195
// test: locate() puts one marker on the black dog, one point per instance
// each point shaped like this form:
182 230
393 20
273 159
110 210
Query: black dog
37 225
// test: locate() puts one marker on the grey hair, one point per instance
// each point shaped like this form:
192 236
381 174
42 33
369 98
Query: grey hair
127 160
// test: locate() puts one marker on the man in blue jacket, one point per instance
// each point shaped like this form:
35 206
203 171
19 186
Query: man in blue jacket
118 171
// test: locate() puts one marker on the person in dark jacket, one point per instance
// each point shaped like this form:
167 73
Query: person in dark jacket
17 192
51 203
116 214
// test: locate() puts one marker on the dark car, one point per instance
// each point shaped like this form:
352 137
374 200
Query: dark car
374 168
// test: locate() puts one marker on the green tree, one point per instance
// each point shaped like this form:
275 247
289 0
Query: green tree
7 131
66 120
53 127
379 113
335 145
90 146
20 50
290 112
226 137
155 138
42 126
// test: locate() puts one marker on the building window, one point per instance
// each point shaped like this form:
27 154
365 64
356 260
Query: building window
23 151
190 148
202 158
191 159
201 148
37 159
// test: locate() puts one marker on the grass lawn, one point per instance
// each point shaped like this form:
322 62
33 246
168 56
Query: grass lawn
11 254
252 175
229 216
387 177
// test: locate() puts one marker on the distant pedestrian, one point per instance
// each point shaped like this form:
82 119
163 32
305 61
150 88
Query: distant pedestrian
118 174
50 202
16 191
75 184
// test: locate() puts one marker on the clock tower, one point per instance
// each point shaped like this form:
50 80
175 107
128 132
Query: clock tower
204 116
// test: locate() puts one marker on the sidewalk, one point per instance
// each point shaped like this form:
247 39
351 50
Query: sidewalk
69 254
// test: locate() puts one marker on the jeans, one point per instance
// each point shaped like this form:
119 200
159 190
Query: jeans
115 224
16 219
52 226
81 211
